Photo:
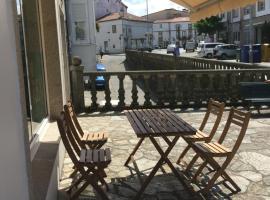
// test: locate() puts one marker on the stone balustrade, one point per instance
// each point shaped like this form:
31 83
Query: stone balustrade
172 88
150 61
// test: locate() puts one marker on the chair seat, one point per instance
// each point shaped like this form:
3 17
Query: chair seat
94 137
199 136
95 157
213 148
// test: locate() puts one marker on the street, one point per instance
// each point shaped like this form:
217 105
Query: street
182 52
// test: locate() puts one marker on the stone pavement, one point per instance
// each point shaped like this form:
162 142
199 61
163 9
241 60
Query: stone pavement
250 168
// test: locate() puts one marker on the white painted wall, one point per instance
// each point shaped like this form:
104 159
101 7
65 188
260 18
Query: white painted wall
13 167
264 12
169 31
126 33
105 7
86 50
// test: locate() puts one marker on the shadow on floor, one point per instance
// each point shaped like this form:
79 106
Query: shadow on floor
164 186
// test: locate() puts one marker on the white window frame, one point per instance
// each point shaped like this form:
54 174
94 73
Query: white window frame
257 6
87 31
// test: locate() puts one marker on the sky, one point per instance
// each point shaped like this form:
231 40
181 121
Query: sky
138 7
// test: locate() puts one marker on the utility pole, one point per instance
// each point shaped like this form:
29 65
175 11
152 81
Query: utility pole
251 36
147 33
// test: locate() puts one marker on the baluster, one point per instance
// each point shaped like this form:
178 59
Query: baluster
233 87
197 92
160 90
185 91
147 102
134 92
94 104
172 90
108 104
210 88
121 92
222 87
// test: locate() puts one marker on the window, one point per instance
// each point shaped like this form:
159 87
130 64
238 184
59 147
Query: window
261 5
79 22
236 36
222 15
246 10
113 28
160 26
235 13
33 69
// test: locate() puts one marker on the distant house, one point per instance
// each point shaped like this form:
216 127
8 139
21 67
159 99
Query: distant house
177 31
119 31
167 14
106 7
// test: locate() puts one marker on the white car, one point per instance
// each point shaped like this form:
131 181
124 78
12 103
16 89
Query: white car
170 48
207 49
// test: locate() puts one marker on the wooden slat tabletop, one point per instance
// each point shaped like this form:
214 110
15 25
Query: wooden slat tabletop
158 122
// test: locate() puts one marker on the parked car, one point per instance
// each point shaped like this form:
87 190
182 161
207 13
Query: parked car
170 48
206 49
225 51
190 46
149 49
100 80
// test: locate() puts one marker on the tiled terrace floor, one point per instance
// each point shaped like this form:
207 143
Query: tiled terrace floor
250 168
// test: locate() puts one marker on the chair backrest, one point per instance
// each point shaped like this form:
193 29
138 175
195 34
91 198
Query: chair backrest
71 119
69 109
68 140
214 108
237 118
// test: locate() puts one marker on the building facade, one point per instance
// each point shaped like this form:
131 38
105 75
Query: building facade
106 7
173 31
244 25
35 86
167 14
82 32
119 31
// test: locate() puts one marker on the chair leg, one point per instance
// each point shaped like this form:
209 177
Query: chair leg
192 162
199 171
228 178
212 181
183 154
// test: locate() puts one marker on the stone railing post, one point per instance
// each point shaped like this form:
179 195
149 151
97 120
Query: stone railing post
77 85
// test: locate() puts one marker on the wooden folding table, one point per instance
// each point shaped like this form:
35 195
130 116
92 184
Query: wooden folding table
154 123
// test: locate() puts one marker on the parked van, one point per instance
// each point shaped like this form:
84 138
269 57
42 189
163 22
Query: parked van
190 46
207 49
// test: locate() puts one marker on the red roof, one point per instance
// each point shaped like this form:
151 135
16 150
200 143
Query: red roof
116 16
174 20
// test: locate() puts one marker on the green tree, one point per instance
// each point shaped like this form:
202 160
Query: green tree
209 25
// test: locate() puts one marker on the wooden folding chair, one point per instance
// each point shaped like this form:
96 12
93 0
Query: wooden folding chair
209 151
214 108
90 163
90 140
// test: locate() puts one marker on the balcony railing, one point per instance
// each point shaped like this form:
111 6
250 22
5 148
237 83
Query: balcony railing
170 88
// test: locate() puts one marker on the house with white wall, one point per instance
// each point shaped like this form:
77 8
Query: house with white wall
106 7
119 31
177 31
82 32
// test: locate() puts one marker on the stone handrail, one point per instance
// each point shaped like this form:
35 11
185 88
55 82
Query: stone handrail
172 88
153 61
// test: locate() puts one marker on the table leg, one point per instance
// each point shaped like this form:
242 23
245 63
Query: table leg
166 159
134 151
158 165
